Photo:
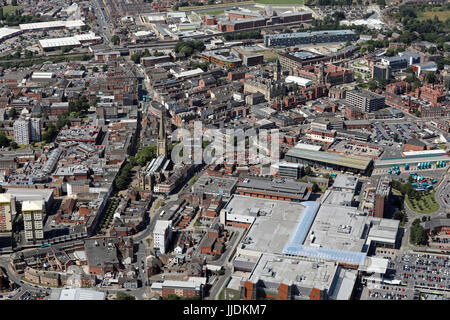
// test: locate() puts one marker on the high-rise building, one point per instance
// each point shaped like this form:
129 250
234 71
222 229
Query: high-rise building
7 211
22 131
365 100
382 193
162 235
35 128
33 220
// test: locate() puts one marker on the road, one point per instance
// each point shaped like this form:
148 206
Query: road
17 279
441 190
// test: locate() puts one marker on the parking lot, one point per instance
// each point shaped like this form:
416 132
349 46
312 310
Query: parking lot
413 276
31 296
384 132
423 271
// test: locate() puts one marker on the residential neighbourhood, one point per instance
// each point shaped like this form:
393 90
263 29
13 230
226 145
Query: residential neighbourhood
224 150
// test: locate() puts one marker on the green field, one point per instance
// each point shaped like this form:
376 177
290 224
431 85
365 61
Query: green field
279 2
442 15
212 12
427 204
9 8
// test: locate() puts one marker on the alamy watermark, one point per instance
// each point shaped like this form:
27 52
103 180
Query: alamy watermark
231 146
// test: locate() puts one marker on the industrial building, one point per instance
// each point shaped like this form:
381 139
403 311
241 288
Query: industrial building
71 42
330 161
312 37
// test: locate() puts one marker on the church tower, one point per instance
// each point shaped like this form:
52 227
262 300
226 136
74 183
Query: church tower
277 74
161 147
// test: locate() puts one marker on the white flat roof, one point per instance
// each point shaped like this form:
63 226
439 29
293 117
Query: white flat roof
33 205
298 80
68 41
306 146
81 294
5 197
51 24
5 32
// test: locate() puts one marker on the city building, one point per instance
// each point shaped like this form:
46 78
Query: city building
382 193
312 37
22 132
162 235
33 219
365 100
280 189
36 129
7 212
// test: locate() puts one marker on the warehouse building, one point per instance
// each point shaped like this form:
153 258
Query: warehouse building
71 42
329 161
312 37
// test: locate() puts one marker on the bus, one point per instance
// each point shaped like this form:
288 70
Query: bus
46 245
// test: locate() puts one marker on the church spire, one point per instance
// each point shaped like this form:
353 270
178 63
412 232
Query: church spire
162 143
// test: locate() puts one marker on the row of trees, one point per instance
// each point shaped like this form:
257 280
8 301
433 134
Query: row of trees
124 179
14 18
136 57
253 34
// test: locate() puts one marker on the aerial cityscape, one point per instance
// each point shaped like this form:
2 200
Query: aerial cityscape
224 150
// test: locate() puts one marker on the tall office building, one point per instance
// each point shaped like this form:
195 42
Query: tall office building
365 100
7 211
35 128
22 131
382 193
162 235
33 220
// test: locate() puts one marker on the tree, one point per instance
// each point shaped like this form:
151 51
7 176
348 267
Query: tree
95 69
424 218
14 145
172 296
136 58
4 141
104 68
431 77
1 13
308 170
123 296
115 39
315 187
50 133
373 85
14 2
12 113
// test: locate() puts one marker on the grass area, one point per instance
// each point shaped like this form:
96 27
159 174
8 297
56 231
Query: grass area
427 204
229 4
442 146
40 144
213 12
9 8
269 55
193 180
222 294
442 15
158 204
279 2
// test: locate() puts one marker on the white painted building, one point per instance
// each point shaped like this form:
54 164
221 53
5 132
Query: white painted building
162 235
